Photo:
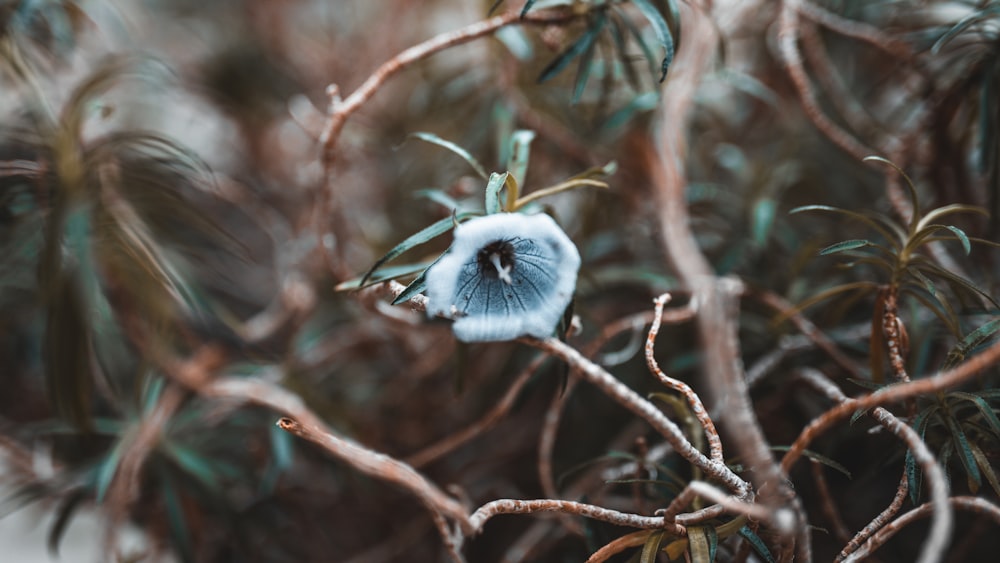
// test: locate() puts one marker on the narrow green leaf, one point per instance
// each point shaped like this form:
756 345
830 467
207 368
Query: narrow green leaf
757 544
818 458
415 287
911 189
517 164
936 214
962 237
894 236
940 307
493 187
586 63
385 274
580 46
651 547
964 452
955 280
439 197
107 469
636 34
972 340
986 467
914 476
527 6
621 50
845 245
424 235
466 155
984 409
826 294
662 30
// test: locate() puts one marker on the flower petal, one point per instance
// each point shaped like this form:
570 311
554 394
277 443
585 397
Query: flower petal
492 301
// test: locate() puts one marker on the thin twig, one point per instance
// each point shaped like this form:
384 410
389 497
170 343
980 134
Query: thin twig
697 408
629 399
487 421
879 521
890 394
512 506
618 545
828 505
976 505
342 110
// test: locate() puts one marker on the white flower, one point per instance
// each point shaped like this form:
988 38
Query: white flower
506 275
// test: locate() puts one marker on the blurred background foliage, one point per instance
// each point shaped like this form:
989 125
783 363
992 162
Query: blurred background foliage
159 174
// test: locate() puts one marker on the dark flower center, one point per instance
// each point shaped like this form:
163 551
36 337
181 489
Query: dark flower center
496 260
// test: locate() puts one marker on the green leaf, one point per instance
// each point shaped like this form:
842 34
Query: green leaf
580 46
415 287
818 458
911 190
527 6
424 235
385 274
962 237
986 467
955 280
651 547
935 214
106 470
984 409
757 544
493 187
662 31
585 66
845 245
636 34
517 164
826 294
964 452
466 156
621 50
439 197
971 341
914 476
894 236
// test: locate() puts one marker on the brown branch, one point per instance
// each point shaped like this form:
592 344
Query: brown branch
940 531
976 505
342 110
879 521
890 394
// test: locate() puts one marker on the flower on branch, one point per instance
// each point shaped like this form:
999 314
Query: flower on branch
506 275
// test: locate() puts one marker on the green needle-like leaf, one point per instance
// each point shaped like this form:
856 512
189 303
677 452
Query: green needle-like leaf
662 30
424 235
466 155
845 245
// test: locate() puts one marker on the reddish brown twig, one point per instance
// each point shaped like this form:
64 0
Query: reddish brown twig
342 110
697 408
891 394
487 421
618 545
879 521
896 341
976 505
